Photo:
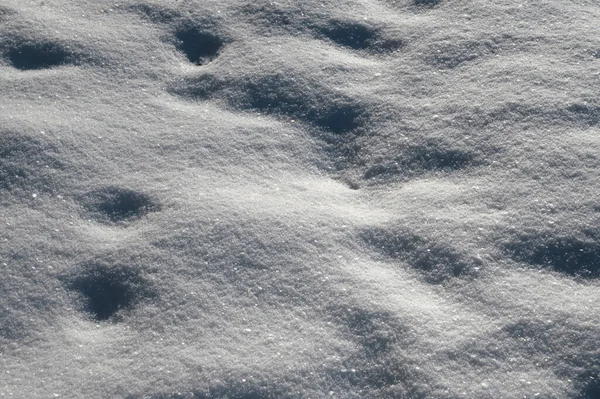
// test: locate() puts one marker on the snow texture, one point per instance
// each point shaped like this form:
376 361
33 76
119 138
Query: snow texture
210 199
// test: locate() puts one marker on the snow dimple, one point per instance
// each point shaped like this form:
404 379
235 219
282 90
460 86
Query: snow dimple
582 113
379 366
436 262
115 204
426 3
354 36
586 113
537 342
591 388
198 45
535 337
241 389
358 36
575 255
546 345
376 332
192 37
279 95
38 55
419 158
108 289
235 391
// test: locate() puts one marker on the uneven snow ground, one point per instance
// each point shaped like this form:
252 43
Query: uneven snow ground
299 199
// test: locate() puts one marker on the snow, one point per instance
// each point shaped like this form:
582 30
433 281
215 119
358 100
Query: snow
314 199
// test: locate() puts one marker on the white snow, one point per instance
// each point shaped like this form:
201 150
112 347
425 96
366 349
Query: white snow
299 199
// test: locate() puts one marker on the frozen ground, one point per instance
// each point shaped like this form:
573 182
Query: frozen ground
299 199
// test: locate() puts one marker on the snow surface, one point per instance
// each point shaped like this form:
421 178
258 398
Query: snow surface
299 199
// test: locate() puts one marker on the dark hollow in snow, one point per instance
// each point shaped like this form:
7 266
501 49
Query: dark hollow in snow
281 19
224 390
108 289
353 35
429 3
280 95
589 114
379 368
436 262
580 113
420 158
352 185
338 119
116 204
376 332
587 382
42 55
357 36
198 46
570 255
530 337
592 388
232 393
